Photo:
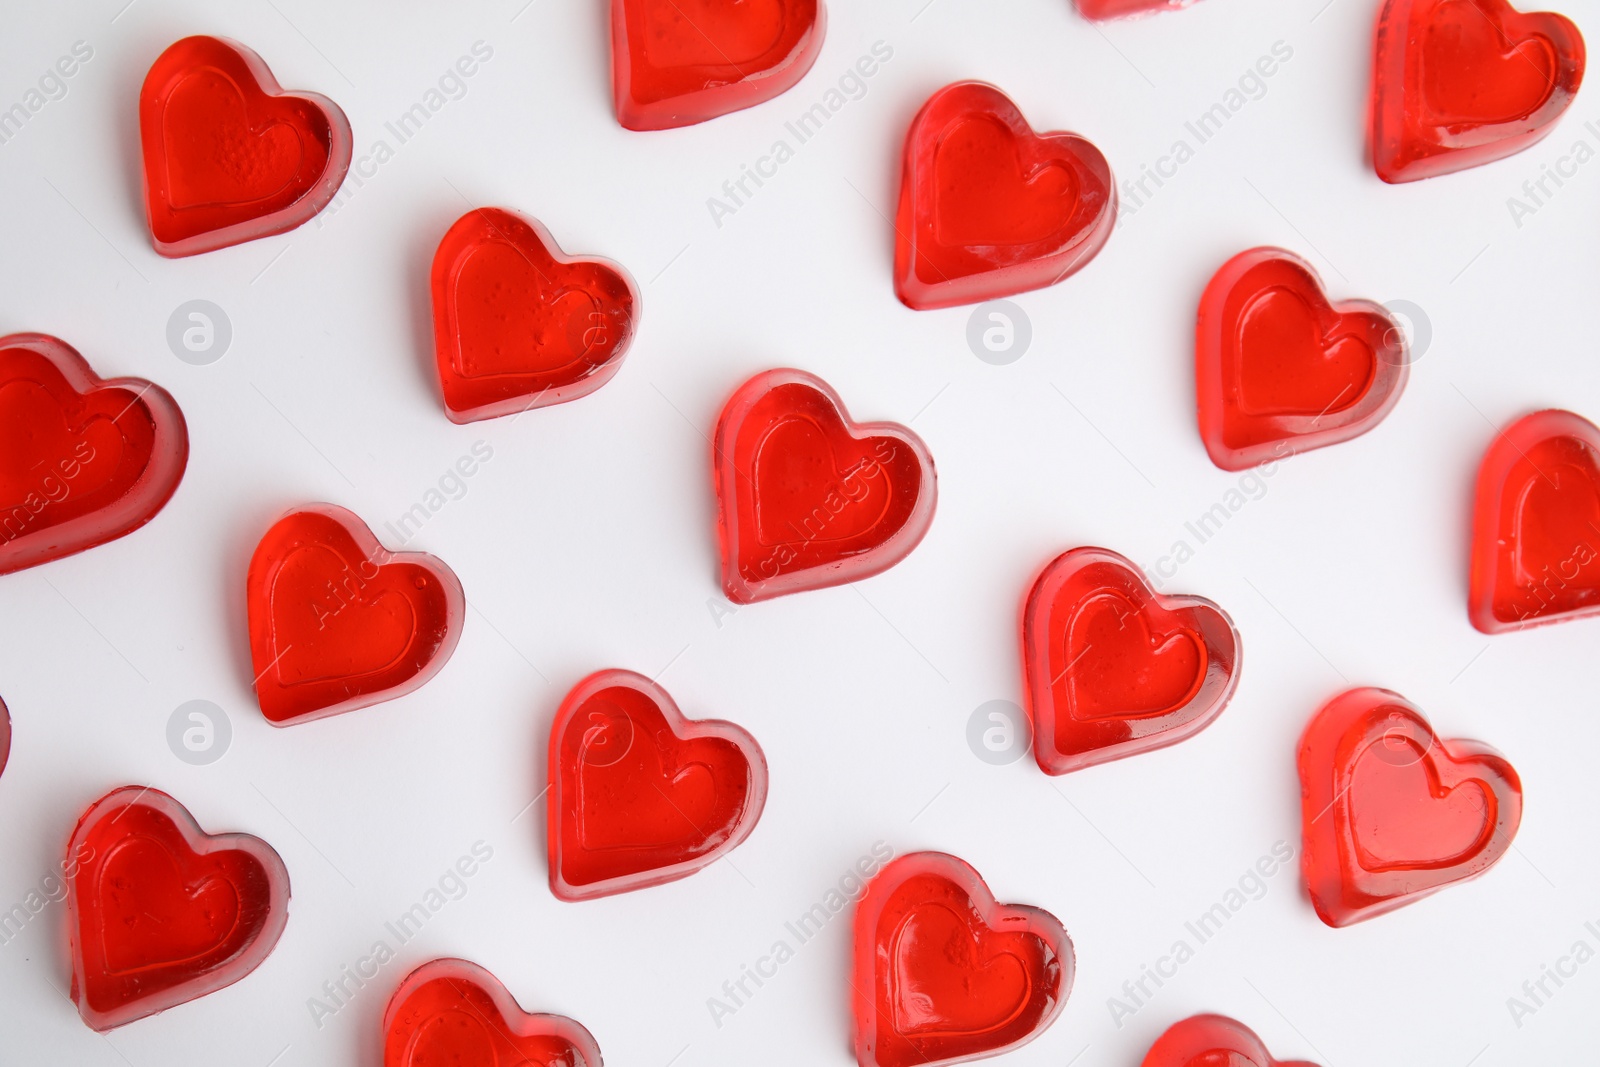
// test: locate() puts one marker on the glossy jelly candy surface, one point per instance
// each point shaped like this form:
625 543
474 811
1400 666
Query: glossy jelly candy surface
1212 1041
988 208
639 795
1280 370
943 974
1390 812
1113 9
161 912
451 1013
1113 668
1458 83
228 155
519 325
805 497
1536 524
82 461
337 622
679 62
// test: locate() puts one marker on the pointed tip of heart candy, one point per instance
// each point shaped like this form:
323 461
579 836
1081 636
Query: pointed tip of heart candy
455 1011
169 950
217 171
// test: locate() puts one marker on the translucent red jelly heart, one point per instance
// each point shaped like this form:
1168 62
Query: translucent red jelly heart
82 461
1458 83
944 974
161 912
808 499
1112 668
5 736
639 795
678 62
337 622
451 1012
1212 1041
1536 524
988 208
1391 812
228 155
519 325
1279 370
1112 9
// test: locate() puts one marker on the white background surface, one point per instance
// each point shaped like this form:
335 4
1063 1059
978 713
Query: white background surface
587 541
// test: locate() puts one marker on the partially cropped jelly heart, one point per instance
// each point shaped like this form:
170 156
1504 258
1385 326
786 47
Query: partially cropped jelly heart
228 155
679 62
639 795
988 208
807 499
338 622
519 325
5 736
1212 1041
1458 83
1113 9
1280 370
943 974
1114 669
451 1013
1536 524
1392 813
161 912
82 461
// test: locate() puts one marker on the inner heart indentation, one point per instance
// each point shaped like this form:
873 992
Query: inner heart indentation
944 982
1474 74
804 494
360 627
215 156
984 193
1287 366
696 33
1404 818
151 916
1118 669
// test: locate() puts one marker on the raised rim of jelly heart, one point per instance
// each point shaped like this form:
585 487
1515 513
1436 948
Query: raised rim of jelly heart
249 956
465 236
152 95
558 808
1001 270
725 478
1405 147
1009 918
1510 447
143 500
1188 1039
728 90
280 710
1289 434
1341 889
1214 630
1102 10
521 1023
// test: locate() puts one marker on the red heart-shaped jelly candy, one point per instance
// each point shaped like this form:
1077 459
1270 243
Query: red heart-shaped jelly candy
451 1013
1457 83
1114 9
1114 669
337 622
639 795
82 461
519 325
228 155
1536 524
808 499
1279 370
943 974
679 62
1212 1041
1391 813
988 208
161 912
